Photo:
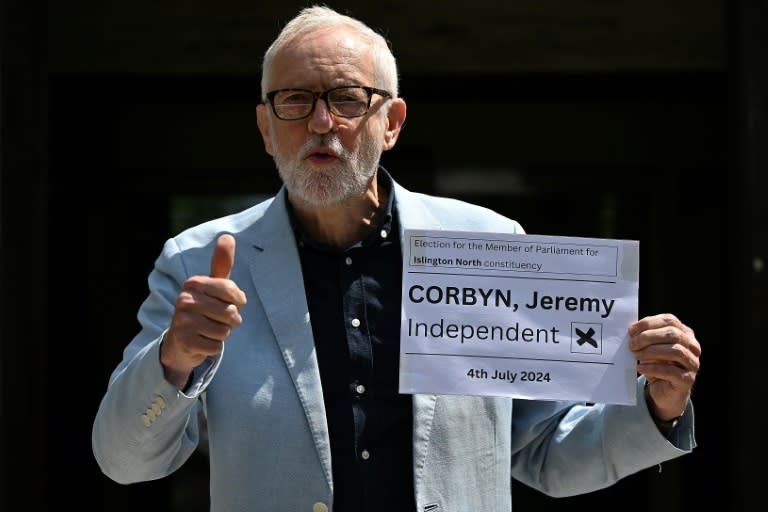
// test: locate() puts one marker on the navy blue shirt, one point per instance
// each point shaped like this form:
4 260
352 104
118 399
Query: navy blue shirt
354 307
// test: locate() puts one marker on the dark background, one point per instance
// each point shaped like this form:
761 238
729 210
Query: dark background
121 122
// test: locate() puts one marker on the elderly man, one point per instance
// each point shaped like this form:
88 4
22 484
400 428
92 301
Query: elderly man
281 323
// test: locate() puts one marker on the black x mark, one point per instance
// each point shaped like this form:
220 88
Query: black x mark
586 337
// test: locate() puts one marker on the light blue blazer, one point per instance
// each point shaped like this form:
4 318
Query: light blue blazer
266 425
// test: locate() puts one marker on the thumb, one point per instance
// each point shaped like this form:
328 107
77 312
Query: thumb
223 258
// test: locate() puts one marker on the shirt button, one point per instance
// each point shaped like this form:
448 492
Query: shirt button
355 322
365 454
383 233
360 389
319 507
348 261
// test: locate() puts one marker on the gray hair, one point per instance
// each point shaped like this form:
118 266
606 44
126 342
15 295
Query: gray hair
316 17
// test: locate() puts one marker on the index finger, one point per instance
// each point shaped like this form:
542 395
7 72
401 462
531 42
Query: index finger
657 322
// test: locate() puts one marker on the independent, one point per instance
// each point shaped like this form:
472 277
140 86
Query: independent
468 332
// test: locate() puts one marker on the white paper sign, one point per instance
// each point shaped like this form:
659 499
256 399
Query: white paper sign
523 316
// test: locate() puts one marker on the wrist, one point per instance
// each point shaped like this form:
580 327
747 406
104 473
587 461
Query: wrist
664 425
180 380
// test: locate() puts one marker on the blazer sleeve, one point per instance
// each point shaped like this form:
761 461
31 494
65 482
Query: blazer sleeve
568 449
144 427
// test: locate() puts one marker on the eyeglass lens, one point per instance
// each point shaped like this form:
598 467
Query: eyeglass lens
343 101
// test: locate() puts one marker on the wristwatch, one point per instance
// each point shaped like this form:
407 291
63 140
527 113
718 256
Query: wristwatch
666 426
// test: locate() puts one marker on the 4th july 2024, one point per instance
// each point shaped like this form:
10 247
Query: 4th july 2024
508 375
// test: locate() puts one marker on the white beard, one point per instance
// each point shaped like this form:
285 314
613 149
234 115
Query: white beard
329 186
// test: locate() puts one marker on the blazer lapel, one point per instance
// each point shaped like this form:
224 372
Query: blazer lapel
276 274
414 215
277 278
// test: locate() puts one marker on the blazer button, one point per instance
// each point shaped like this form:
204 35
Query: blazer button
319 507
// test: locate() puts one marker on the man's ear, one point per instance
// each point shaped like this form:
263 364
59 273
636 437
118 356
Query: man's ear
263 121
395 120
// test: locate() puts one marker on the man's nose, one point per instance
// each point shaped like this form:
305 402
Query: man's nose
321 120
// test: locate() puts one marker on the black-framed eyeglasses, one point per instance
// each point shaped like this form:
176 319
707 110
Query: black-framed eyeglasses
345 101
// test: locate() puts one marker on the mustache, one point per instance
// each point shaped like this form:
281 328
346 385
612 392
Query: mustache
327 140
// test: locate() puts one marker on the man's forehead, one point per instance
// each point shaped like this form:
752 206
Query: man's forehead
327 41
335 56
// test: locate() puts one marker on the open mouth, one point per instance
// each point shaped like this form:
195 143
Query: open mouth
322 156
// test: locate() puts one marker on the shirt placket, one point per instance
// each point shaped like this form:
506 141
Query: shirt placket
360 349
